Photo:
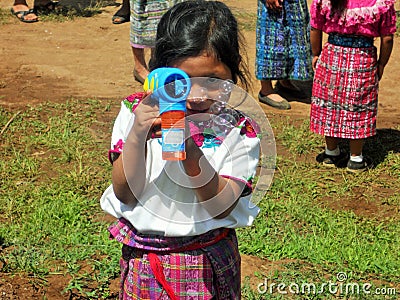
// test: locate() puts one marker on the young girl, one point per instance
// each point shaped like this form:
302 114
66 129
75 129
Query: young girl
347 73
176 220
283 50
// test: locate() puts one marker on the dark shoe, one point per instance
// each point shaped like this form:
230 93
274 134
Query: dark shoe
137 77
358 167
23 13
284 105
338 161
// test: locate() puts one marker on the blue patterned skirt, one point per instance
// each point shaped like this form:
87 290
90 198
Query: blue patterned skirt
283 49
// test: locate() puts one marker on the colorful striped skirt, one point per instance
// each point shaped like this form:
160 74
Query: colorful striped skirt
145 15
199 267
283 49
344 98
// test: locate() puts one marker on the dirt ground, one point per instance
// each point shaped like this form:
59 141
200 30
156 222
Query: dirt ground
91 58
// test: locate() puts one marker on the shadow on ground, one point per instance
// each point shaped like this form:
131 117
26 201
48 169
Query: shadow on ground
378 147
385 141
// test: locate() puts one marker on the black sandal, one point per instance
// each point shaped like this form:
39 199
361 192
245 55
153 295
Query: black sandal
21 14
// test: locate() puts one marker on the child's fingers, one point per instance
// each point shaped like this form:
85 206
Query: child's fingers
155 131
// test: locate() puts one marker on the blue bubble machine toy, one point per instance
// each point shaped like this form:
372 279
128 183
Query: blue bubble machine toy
170 86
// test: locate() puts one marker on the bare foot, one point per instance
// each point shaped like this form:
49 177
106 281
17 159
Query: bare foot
275 97
31 17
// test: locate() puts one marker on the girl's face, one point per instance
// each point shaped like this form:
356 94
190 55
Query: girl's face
204 65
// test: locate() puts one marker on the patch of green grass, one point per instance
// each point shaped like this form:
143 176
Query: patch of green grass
53 170
297 139
68 13
4 16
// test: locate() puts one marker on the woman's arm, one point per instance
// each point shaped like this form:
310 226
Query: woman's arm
316 45
384 53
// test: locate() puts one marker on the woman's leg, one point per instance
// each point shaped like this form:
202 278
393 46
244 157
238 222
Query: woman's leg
332 156
266 87
141 70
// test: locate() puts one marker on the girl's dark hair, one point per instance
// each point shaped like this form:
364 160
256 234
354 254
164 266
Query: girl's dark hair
338 6
191 27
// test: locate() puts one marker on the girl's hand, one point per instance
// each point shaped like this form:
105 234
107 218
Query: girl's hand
274 4
314 62
381 68
147 122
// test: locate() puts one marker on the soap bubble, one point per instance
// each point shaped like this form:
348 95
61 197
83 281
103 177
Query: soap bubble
224 121
226 86
223 98
198 93
216 107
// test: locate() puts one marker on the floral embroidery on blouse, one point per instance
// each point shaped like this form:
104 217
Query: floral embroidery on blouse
206 135
132 101
117 149
249 127
203 136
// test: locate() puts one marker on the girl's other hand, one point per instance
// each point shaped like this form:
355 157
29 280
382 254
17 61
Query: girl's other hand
314 62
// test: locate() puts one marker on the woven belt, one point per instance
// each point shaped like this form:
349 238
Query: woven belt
352 41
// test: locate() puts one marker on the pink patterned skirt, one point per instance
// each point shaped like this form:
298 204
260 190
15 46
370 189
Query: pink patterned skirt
200 267
344 99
